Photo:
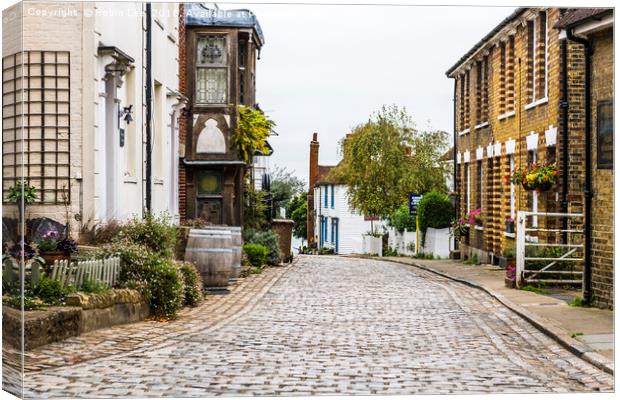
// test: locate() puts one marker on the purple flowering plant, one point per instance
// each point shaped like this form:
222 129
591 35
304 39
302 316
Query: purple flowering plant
511 272
54 241
21 250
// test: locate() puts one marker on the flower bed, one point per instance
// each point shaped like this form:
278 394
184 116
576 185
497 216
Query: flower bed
83 313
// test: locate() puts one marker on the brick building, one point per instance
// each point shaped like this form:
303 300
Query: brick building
217 58
593 28
75 86
510 93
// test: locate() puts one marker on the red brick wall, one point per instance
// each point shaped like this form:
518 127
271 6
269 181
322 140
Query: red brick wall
183 119
313 173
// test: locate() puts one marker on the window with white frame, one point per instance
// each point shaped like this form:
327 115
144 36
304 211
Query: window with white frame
479 184
532 159
467 187
537 58
211 70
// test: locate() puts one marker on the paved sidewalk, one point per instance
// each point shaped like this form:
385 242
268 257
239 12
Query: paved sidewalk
589 331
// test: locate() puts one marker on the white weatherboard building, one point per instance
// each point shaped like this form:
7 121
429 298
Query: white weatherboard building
83 67
336 224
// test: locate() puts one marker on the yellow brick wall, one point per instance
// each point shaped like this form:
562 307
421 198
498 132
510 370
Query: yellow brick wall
602 89
496 192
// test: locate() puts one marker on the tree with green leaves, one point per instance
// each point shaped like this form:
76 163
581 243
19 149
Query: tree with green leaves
386 158
297 210
284 187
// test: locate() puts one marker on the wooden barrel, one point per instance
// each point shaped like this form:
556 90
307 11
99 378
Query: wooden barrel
237 248
211 251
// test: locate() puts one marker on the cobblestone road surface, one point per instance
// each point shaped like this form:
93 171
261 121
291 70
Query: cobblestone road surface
332 325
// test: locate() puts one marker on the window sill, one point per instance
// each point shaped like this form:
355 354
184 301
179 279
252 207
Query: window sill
479 228
536 103
509 235
482 125
464 132
130 179
158 181
506 115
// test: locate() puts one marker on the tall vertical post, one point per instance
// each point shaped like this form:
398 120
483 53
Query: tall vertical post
149 107
521 219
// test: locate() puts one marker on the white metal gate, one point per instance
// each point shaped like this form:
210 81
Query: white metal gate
561 262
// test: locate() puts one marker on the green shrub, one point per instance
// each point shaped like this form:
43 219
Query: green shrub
510 252
256 254
269 239
156 233
51 291
165 283
401 219
390 252
192 283
30 302
434 211
578 301
534 289
156 277
93 286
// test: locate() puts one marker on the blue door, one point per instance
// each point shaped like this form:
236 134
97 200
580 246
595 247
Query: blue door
335 234
323 232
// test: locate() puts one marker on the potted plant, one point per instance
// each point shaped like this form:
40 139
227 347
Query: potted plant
510 280
536 177
474 217
460 229
507 258
22 191
510 225
53 247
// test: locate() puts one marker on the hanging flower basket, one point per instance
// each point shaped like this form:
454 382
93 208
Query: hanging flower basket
536 177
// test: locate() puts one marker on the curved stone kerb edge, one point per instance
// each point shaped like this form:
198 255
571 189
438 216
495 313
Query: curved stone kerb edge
577 348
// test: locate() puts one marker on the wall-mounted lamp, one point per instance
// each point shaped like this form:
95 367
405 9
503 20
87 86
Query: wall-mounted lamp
125 114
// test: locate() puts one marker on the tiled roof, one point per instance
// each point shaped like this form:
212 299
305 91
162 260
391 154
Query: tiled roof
576 16
324 176
448 156
515 14
197 14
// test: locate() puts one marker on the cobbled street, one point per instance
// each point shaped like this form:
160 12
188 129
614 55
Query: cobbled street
332 325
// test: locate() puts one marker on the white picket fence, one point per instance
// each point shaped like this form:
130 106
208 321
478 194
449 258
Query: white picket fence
104 271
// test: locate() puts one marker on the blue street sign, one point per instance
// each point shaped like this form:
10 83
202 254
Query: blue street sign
414 199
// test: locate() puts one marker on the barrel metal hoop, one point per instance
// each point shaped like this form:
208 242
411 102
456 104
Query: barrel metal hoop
212 250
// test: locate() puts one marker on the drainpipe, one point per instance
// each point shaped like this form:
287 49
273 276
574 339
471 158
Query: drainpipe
454 172
564 110
149 100
587 190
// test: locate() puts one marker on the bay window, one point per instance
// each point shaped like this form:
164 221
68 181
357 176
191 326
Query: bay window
211 70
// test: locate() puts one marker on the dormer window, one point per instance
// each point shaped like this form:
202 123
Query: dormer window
211 70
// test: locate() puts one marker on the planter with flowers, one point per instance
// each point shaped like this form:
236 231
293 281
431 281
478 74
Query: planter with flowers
536 177
475 217
53 247
460 229
510 280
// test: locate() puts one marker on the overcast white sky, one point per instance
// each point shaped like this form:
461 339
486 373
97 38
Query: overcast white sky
327 68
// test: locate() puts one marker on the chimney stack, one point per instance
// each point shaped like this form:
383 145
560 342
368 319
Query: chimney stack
312 177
